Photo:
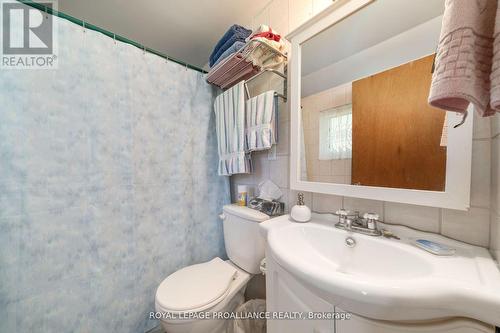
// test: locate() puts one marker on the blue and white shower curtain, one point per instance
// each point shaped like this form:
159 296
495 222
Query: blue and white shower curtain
108 183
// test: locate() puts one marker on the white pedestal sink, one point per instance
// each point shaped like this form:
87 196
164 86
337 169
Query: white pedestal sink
386 279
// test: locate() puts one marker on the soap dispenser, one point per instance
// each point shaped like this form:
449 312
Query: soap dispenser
300 212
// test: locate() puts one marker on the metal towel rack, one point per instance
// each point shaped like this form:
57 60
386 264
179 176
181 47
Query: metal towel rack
237 68
273 71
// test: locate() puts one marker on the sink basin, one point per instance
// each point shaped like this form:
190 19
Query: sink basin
386 279
372 258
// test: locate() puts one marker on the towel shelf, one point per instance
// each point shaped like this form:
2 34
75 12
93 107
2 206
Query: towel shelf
273 71
237 67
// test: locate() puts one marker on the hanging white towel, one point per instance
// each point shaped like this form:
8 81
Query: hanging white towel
261 123
229 108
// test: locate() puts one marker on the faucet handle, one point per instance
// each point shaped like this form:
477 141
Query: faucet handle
348 224
371 219
342 212
371 216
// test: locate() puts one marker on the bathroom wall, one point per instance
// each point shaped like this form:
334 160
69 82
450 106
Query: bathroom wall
495 186
108 184
414 43
472 226
328 171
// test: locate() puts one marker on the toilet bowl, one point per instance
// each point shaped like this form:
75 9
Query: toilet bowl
198 298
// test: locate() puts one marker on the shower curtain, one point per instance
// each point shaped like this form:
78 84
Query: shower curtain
108 183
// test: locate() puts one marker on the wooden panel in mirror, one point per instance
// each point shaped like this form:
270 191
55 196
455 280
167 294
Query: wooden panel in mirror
396 138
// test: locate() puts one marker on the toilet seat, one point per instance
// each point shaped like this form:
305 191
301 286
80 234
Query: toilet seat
197 287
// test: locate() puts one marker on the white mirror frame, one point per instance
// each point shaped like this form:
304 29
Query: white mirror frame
459 149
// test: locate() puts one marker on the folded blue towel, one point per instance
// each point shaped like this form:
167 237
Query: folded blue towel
232 49
233 34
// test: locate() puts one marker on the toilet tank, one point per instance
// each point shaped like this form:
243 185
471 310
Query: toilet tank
245 245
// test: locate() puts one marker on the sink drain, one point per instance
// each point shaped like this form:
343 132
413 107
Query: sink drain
350 242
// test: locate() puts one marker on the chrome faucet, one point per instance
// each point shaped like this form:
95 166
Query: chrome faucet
348 224
354 223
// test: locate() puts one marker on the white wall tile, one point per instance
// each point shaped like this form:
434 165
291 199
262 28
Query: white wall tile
285 198
324 203
279 16
323 101
495 175
418 217
244 178
472 226
261 167
495 125
300 12
338 167
339 96
324 168
348 93
284 111
278 171
348 167
307 103
365 206
283 147
263 17
337 179
495 236
482 127
481 175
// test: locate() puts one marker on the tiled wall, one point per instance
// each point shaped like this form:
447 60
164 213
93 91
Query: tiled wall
495 186
328 171
472 226
283 16
108 184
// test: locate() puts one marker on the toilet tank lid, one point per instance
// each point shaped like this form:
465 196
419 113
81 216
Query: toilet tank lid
245 213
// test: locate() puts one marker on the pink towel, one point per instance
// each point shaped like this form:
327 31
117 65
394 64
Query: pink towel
495 69
230 71
464 57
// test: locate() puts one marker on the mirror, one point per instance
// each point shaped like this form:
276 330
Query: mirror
365 116
359 94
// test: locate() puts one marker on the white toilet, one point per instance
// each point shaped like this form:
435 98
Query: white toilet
216 286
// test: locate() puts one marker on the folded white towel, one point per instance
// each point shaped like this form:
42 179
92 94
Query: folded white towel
261 122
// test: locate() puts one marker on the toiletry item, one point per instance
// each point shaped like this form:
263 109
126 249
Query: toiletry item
300 212
434 247
271 208
242 195
389 234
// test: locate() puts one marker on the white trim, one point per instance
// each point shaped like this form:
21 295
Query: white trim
459 150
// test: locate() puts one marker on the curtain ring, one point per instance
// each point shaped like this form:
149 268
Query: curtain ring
186 67
166 61
83 26
114 38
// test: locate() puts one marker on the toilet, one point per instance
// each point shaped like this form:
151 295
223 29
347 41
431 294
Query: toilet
216 286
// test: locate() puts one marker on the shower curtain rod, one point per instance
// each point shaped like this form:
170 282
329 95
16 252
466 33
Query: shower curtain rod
90 26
